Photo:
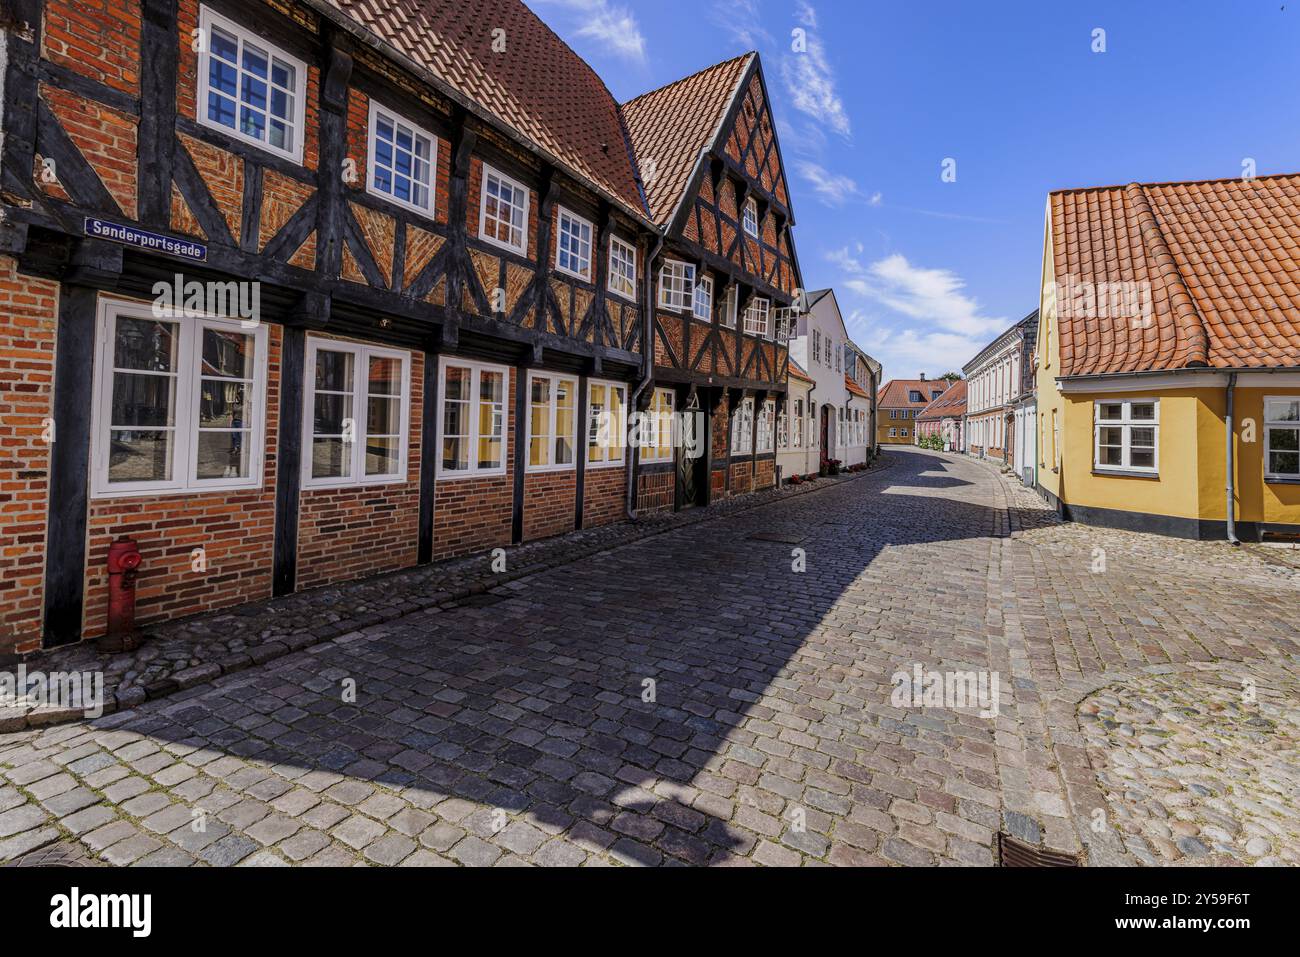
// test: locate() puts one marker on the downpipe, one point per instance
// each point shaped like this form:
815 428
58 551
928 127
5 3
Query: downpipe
1229 460
648 358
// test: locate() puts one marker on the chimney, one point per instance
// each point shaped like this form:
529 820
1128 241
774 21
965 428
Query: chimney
922 376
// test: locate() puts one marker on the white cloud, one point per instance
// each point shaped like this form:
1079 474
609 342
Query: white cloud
810 80
613 27
833 189
739 18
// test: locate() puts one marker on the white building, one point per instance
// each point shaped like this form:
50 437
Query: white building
1024 443
993 384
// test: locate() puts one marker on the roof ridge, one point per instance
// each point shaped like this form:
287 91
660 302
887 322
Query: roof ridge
1202 181
1187 318
689 76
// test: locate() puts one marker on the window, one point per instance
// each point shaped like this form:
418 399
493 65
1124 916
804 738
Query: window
606 422
783 429
1282 437
552 422
402 160
356 413
893 433
704 299
742 428
1125 435
817 345
622 268
657 428
503 212
573 245
179 402
471 418
676 285
784 324
765 414
749 218
728 312
249 88
797 437
838 354
904 433
915 396
756 317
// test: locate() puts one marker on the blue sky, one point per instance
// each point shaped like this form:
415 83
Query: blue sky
928 271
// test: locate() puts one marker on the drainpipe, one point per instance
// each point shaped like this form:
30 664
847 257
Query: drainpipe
1228 459
647 349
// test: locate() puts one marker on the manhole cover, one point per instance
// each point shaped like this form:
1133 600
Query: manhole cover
1013 852
784 538
64 854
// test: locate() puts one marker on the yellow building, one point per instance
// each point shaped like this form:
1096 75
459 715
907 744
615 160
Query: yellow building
1168 357
899 402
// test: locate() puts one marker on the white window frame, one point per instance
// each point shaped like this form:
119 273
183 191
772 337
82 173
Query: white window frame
1269 425
474 435
185 401
658 420
766 413
552 417
622 265
796 435
783 429
620 426
208 18
893 433
676 286
749 217
703 285
742 428
397 119
489 172
567 214
727 314
752 322
817 346
1126 423
362 354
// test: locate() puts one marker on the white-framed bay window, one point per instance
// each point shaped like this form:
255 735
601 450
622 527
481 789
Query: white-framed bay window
676 285
180 402
248 88
622 268
403 161
503 211
703 308
766 413
573 244
552 422
657 428
742 428
472 418
356 414
1126 435
606 423
1282 438
757 317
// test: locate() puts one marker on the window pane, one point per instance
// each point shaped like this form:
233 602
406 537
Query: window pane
1112 436
146 400
385 376
383 416
227 354
1143 411
145 344
1282 410
331 414
1142 459
330 458
1284 463
489 453
1110 410
1143 438
457 385
382 456
1287 440
223 455
140 456
455 454
223 404
491 387
1109 455
334 370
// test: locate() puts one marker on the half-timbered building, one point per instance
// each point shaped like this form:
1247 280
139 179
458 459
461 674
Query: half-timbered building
298 291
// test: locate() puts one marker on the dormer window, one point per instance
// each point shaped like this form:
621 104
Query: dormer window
915 396
749 217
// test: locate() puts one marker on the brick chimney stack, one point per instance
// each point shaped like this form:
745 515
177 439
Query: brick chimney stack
922 376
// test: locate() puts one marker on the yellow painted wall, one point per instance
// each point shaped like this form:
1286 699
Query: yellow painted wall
884 425
1051 406
1257 500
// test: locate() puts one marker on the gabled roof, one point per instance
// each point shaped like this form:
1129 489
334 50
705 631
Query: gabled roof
951 403
671 126
797 372
894 393
541 89
1221 261
856 389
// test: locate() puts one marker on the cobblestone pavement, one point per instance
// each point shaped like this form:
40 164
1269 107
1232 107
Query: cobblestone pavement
690 698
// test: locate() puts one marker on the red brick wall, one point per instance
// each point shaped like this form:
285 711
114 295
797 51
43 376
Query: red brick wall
236 530
656 492
28 321
105 137
765 473
96 38
473 204
741 476
604 496
549 503
351 532
471 514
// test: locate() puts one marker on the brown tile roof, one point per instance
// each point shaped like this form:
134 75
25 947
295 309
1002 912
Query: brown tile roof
855 388
670 126
893 394
798 372
540 88
1222 259
951 403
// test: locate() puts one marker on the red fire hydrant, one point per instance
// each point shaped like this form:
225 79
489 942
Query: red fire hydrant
123 561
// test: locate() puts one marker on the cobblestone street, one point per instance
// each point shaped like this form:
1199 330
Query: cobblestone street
688 698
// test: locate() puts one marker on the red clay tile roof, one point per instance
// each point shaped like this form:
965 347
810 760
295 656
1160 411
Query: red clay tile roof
951 403
894 393
540 88
1222 260
670 126
797 372
855 388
